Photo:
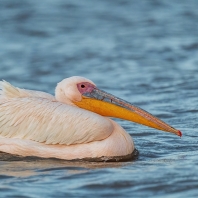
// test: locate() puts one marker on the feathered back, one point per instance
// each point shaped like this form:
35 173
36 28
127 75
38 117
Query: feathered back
9 91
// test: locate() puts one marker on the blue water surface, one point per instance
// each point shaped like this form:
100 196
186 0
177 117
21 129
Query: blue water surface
145 52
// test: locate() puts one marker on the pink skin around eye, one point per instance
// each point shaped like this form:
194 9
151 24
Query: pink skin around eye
85 87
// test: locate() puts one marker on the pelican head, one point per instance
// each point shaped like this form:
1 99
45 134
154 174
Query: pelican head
81 92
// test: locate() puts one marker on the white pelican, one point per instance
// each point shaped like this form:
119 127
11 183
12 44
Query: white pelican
73 124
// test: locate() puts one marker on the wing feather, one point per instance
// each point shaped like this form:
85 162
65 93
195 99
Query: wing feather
50 122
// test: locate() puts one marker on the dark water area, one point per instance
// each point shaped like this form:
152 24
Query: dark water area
145 52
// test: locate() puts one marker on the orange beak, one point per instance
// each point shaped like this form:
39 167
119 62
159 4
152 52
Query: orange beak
106 104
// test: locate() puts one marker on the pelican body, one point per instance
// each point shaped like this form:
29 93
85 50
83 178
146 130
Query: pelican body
73 124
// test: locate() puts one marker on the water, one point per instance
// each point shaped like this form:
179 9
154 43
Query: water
145 52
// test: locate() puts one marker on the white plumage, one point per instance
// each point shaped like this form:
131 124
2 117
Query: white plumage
39 124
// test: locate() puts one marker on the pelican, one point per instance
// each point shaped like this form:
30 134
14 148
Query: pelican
73 124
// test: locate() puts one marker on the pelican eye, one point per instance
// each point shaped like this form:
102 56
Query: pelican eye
82 86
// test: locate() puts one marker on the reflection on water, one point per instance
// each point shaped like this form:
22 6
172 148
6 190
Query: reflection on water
32 168
142 51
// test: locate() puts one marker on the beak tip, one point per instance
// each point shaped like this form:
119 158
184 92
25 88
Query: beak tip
179 133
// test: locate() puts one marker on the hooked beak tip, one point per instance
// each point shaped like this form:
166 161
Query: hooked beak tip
179 133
